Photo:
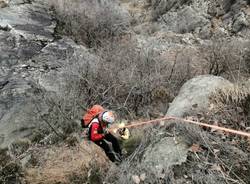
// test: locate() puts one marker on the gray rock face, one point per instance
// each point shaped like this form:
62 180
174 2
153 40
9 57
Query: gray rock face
197 16
31 62
165 154
184 21
29 21
21 85
57 61
240 22
194 95
20 40
219 7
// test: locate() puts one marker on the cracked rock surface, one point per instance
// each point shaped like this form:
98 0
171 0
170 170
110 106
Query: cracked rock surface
31 61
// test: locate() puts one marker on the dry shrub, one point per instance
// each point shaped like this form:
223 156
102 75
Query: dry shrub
235 95
10 169
80 164
63 114
213 162
231 106
91 21
130 80
19 146
124 77
227 58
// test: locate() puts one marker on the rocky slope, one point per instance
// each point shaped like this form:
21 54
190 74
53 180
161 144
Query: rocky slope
33 59
39 63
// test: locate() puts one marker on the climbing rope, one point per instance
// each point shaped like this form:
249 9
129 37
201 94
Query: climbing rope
163 120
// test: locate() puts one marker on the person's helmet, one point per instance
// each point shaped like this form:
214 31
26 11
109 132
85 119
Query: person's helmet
108 117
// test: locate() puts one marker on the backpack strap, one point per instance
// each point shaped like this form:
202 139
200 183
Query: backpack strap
90 125
92 121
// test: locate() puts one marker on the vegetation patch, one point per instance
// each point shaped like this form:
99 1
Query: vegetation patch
91 22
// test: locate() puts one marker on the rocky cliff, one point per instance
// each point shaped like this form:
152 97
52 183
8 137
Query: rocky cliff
57 58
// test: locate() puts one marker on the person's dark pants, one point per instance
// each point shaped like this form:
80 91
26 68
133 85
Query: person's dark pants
114 151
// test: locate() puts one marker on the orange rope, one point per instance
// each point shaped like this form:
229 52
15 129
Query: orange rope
147 122
192 122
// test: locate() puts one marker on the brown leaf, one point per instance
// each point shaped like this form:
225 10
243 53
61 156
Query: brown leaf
195 148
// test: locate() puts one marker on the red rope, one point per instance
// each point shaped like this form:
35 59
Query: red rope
191 122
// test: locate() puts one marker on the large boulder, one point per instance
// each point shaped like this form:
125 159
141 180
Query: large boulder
163 155
60 62
154 161
194 95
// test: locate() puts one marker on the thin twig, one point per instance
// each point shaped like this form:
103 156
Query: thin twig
128 96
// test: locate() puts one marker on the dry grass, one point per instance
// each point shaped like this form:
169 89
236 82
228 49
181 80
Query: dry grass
230 107
68 165
236 95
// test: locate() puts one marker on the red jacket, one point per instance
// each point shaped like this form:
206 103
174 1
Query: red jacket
96 131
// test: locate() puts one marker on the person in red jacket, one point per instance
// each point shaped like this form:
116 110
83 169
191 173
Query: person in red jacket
99 134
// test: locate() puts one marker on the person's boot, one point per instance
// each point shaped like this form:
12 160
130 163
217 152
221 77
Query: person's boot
118 157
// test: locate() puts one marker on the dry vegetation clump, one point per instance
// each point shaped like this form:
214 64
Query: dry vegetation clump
132 81
211 158
63 164
231 106
212 154
129 79
62 117
91 22
227 58
10 169
126 78
217 154
236 95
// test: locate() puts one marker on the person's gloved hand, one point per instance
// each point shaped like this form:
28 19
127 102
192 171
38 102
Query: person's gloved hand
124 133
105 131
